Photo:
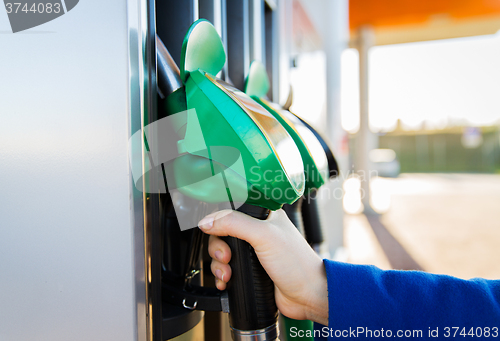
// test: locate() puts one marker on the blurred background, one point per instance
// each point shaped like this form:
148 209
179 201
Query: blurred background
419 142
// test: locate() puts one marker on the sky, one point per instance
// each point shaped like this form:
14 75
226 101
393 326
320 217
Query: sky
439 82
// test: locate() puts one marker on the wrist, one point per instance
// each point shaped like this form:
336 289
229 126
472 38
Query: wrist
317 305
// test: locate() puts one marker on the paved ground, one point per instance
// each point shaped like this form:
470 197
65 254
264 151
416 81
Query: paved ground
441 223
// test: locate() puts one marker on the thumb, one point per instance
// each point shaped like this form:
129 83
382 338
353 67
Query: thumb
234 224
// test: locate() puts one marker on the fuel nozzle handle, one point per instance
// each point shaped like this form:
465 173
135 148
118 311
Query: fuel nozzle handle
253 313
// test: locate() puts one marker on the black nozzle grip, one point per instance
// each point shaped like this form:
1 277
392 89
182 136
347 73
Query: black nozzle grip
250 290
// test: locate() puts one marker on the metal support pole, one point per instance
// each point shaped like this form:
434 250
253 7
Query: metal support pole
365 139
335 39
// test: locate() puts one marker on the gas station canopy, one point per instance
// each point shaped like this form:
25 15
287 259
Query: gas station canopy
404 21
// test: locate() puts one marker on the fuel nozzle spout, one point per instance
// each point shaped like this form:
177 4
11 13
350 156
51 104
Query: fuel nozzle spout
169 78
267 334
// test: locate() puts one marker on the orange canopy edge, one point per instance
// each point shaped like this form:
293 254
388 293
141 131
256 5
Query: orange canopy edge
396 21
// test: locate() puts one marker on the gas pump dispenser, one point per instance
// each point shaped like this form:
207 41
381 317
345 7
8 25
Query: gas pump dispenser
225 135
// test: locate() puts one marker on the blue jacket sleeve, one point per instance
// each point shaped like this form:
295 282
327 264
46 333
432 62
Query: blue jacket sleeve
363 296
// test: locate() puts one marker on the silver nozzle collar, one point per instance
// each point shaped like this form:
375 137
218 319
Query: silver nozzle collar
270 333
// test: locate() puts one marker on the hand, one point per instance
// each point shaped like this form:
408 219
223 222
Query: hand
296 270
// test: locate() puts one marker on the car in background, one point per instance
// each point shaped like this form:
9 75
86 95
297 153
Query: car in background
385 162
